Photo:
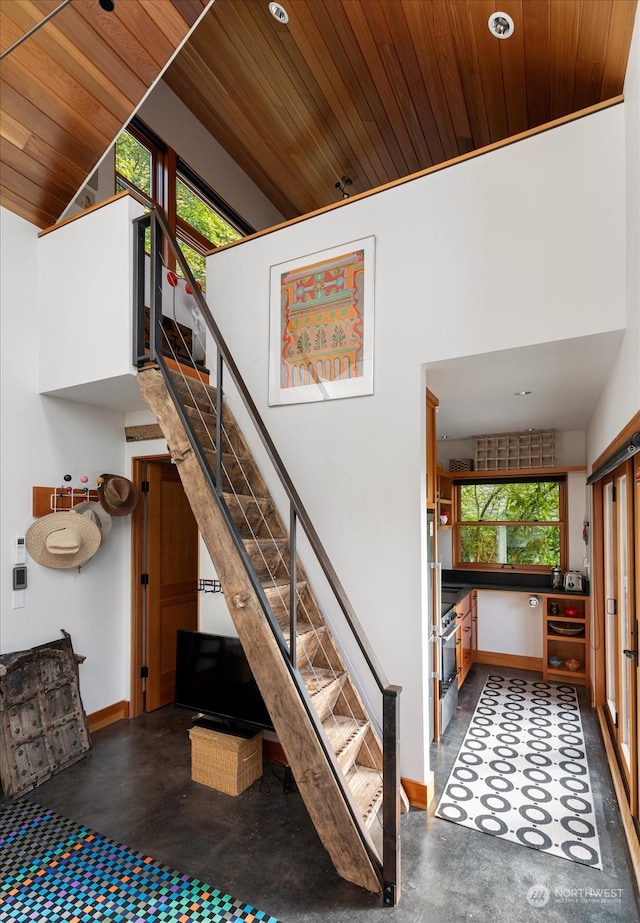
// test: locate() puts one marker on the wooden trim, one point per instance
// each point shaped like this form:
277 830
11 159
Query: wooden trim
109 715
42 498
492 474
488 149
623 436
81 214
187 370
272 750
633 842
517 661
420 795
143 433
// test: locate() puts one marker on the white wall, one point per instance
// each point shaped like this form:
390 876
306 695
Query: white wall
85 300
508 625
358 463
44 438
621 397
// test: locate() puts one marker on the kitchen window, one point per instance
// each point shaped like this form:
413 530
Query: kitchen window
513 523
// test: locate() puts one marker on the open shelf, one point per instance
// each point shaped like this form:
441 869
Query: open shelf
566 647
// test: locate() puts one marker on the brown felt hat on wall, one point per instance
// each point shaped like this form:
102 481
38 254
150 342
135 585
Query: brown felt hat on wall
63 540
118 495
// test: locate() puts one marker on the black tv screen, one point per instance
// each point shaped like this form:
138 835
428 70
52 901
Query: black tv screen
213 678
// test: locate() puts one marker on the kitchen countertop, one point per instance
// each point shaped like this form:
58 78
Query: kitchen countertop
514 583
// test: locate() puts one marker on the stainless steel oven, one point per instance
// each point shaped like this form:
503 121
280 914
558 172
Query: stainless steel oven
448 667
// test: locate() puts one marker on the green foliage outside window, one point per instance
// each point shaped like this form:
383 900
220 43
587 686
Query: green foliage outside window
133 161
195 211
510 523
135 169
196 262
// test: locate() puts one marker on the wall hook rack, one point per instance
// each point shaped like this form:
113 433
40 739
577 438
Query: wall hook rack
208 586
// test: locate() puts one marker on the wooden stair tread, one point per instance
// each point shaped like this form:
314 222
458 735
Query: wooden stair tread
366 786
345 736
318 680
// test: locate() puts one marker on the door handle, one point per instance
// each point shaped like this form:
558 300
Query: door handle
630 654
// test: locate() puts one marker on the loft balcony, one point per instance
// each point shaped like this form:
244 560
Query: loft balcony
86 308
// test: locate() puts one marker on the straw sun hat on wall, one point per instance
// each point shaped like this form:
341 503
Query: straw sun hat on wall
63 540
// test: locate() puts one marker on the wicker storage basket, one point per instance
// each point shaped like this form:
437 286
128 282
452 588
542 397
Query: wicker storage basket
226 763
460 464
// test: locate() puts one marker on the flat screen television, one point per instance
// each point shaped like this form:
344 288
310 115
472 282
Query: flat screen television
213 678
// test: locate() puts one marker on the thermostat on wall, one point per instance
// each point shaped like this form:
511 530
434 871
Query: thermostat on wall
20 577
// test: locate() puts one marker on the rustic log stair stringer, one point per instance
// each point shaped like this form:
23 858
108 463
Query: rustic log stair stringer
346 817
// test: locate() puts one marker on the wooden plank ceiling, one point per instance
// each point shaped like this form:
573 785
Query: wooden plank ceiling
67 91
369 89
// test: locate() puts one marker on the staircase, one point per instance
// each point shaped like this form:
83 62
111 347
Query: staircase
332 744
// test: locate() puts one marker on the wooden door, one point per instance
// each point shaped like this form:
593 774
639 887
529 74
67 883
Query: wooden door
172 568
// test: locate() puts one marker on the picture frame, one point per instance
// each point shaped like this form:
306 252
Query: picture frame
321 325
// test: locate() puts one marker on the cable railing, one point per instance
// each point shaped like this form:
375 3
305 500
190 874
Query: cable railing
278 578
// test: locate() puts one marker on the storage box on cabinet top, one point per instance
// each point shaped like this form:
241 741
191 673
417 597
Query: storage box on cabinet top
224 762
460 464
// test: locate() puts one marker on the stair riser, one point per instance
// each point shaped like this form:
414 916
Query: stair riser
306 608
307 644
325 699
204 426
253 518
270 560
237 474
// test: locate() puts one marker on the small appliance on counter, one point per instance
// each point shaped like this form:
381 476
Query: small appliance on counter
573 581
556 578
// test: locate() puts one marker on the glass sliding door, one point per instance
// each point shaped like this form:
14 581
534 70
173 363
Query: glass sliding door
610 612
620 623
627 665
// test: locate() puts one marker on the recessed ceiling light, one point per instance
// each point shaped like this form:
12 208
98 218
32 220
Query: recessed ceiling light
501 25
522 393
278 12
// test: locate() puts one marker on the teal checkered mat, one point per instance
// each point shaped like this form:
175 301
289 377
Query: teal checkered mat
53 870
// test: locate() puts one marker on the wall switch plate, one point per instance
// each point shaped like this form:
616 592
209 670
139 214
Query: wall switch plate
17 600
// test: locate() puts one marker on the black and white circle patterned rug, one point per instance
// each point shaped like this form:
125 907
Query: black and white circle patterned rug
522 772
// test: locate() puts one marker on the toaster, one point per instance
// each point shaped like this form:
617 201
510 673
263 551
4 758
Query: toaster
573 580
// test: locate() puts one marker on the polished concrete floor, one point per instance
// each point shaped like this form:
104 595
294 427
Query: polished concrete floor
260 847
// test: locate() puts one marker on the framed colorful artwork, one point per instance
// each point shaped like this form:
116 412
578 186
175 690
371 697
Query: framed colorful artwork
321 325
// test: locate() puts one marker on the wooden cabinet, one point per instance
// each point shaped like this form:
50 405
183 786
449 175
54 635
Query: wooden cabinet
474 624
444 505
464 637
565 637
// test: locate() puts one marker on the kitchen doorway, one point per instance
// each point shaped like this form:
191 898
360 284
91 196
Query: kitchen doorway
165 548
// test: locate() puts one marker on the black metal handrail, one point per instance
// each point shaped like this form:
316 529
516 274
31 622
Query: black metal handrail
161 238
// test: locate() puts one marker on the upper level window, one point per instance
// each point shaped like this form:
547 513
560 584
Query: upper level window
134 165
510 523
200 219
